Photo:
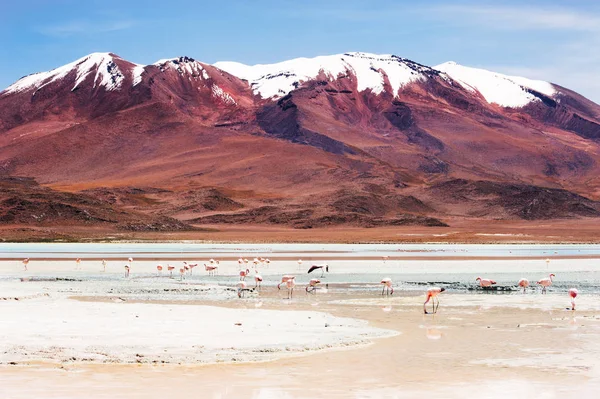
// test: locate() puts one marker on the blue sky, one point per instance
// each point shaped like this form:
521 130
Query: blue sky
551 40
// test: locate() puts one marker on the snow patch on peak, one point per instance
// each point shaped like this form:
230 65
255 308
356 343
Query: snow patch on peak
183 65
504 90
108 74
136 74
370 70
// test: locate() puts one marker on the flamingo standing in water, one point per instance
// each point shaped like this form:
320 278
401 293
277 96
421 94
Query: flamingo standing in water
546 282
388 289
160 269
130 260
257 279
524 283
212 270
290 284
242 288
485 282
127 270
240 263
432 294
299 263
243 274
25 263
267 262
312 285
191 266
573 294
103 265
385 258
170 268
285 279
78 263
181 273
324 268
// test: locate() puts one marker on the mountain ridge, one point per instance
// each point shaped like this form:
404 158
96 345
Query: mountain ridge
354 138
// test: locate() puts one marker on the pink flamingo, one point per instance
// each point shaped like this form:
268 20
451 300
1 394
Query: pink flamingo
25 263
312 285
242 288
243 274
257 279
432 294
181 273
385 258
212 270
190 266
285 279
103 265
160 269
573 294
324 268
299 264
524 283
388 289
546 282
240 263
78 263
127 270
170 268
485 282
290 284
267 262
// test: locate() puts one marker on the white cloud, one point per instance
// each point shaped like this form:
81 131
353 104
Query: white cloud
521 18
71 28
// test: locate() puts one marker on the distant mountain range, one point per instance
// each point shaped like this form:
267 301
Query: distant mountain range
350 139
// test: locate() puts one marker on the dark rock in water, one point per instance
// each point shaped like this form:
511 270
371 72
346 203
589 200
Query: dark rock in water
34 278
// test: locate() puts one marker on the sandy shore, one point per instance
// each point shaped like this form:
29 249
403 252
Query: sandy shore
75 331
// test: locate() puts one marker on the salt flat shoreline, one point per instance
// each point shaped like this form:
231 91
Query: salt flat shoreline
75 327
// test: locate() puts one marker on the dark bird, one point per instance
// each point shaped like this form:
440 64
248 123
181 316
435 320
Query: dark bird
324 268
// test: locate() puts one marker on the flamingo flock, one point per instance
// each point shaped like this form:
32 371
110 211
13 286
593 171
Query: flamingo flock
289 281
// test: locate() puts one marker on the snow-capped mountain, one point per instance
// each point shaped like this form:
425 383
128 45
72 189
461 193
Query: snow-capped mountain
506 91
366 138
376 73
102 68
372 72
